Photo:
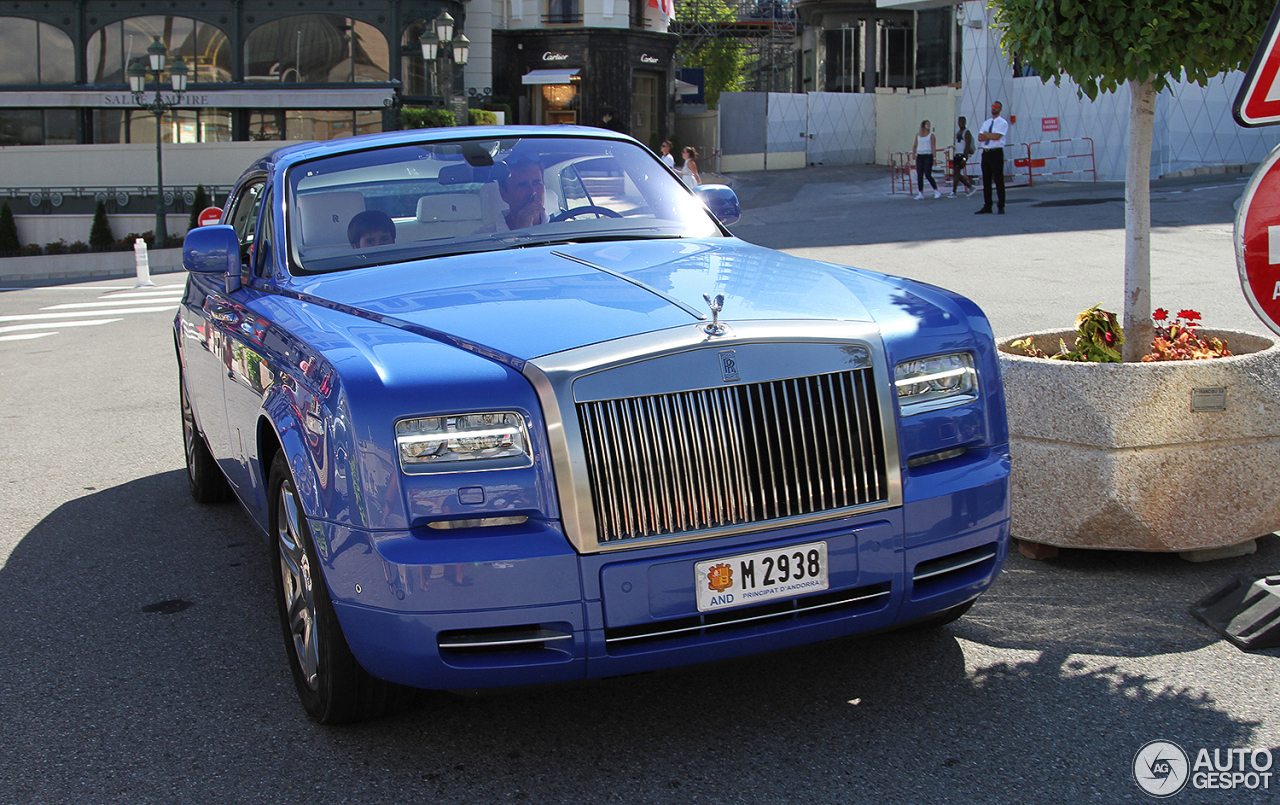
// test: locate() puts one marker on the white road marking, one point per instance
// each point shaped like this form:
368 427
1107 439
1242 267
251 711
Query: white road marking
74 314
178 291
78 305
23 337
91 323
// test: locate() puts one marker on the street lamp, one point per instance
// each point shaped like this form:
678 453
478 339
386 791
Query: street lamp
157 106
436 41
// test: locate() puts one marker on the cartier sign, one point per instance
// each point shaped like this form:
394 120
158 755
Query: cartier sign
549 56
645 58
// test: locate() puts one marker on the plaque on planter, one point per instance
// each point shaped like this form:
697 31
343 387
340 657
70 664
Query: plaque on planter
1209 398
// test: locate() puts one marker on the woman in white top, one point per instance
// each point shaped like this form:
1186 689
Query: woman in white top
689 171
925 146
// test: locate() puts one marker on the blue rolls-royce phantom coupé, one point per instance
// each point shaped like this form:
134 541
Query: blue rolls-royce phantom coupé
513 406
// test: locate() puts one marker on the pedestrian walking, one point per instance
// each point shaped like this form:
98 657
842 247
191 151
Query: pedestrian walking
926 145
964 150
991 139
689 170
667 158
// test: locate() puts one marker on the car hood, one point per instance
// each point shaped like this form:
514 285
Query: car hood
540 300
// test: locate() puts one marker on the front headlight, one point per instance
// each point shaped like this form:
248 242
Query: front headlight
463 442
942 381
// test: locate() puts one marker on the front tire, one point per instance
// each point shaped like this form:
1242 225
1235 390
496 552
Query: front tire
332 685
204 478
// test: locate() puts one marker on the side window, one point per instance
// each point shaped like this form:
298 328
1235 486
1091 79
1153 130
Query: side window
262 255
244 217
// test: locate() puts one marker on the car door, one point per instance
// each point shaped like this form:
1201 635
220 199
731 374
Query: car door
219 317
252 369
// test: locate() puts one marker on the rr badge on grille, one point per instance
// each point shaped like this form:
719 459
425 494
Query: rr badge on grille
729 365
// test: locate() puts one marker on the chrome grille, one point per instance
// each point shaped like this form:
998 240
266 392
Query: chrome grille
710 458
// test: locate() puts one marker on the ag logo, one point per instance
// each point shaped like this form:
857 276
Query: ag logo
1160 768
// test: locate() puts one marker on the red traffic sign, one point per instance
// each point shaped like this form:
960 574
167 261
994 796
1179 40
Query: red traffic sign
209 216
1257 238
1258 101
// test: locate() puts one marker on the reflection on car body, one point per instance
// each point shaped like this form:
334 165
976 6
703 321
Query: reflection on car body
516 445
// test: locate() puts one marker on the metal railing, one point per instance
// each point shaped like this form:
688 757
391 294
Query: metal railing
1059 160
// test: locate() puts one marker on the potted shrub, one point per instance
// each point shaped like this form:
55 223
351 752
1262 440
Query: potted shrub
1124 453
1162 454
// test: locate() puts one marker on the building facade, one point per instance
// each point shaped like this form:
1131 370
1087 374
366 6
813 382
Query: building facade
859 45
267 70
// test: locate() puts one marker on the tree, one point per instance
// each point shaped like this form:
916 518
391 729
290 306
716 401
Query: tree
9 243
723 59
100 237
198 206
1102 44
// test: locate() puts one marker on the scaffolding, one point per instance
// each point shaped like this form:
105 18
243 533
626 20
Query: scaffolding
765 28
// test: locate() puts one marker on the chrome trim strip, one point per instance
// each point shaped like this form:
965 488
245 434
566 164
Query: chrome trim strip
722 624
955 567
692 311
553 377
461 641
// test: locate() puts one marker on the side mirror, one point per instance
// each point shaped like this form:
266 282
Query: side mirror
212 250
722 202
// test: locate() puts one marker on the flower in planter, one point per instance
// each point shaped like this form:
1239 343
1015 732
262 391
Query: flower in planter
1179 341
1098 339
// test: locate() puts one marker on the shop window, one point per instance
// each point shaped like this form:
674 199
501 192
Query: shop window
21 127
420 79
935 41
563 12
895 57
842 62
37 127
557 103
177 126
644 107
203 47
329 124
317 48
266 125
34 52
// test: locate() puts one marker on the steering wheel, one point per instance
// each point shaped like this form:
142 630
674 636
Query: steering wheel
576 211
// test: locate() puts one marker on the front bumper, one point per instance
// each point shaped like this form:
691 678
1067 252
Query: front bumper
516 605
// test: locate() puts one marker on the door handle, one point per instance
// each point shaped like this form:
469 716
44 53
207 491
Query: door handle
225 313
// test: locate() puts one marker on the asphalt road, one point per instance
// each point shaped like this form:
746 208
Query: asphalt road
143 662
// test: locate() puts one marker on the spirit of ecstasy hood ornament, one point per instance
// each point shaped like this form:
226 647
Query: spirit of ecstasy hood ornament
716 305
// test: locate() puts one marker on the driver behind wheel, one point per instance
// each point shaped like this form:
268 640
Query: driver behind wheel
521 187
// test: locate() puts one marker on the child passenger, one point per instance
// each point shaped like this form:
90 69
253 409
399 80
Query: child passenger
371 228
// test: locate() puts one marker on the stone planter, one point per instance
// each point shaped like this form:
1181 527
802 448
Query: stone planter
1137 456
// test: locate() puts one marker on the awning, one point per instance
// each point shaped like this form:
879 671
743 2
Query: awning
562 76
685 88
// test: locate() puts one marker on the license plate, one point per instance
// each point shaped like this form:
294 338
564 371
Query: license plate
756 577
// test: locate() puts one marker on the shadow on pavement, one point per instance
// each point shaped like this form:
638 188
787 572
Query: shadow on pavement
145 664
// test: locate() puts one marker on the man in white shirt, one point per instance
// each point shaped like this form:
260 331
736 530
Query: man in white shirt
667 158
991 137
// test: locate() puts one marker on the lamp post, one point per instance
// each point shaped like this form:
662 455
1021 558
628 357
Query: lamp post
157 106
437 41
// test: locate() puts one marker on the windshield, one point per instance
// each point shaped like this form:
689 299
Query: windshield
441 198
